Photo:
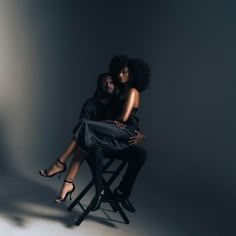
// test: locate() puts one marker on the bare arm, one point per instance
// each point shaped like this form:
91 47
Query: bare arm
131 101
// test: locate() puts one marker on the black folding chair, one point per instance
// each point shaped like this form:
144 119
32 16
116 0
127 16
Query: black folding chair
107 186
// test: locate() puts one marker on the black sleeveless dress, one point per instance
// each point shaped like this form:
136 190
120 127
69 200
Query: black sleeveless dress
91 133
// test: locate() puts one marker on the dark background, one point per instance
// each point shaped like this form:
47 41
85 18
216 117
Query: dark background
52 53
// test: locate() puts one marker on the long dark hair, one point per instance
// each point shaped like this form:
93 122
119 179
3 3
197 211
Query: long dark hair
98 91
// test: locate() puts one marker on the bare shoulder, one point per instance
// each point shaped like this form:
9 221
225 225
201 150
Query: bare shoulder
133 91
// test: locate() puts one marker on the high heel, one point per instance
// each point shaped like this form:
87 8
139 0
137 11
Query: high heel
44 173
59 199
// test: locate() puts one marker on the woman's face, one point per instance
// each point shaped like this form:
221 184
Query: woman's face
124 75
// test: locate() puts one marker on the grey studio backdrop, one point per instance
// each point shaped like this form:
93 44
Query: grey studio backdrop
51 55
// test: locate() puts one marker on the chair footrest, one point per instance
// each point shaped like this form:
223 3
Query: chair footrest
108 172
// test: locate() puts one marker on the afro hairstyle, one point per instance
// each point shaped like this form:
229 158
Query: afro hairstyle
139 71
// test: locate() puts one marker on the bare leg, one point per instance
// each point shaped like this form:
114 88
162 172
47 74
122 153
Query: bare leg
75 164
59 166
69 150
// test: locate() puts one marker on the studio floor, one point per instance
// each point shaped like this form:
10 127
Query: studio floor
27 208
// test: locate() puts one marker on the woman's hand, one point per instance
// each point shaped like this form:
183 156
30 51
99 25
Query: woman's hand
119 124
136 139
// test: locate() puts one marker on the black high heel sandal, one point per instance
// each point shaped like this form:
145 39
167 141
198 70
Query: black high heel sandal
59 199
44 173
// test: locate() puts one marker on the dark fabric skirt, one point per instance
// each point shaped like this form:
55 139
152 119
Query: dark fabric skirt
89 134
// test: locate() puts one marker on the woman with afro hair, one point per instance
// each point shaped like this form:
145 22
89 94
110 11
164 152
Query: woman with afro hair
131 77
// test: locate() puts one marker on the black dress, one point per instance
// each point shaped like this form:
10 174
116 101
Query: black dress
90 133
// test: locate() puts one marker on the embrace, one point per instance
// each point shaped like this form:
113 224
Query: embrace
108 125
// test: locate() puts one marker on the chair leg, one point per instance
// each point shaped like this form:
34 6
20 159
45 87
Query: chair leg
84 214
122 213
80 196
114 204
87 188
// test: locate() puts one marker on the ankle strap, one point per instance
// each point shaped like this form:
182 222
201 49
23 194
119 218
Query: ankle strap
60 162
67 181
